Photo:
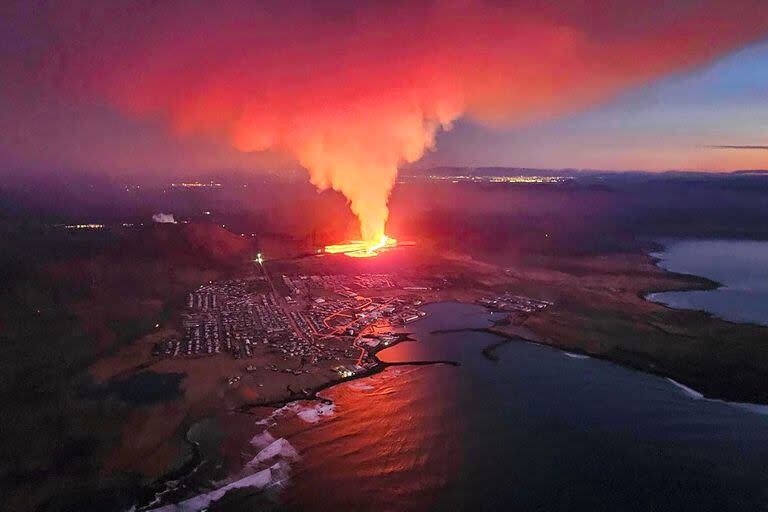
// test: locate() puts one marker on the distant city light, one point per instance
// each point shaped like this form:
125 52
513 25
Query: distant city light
493 179
84 226
196 184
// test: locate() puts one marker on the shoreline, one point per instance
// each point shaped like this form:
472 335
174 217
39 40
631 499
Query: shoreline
687 282
678 381
646 296
706 283
312 394
727 330
150 495
695 395
153 490
489 352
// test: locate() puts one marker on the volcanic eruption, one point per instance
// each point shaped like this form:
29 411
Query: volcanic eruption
362 248
353 90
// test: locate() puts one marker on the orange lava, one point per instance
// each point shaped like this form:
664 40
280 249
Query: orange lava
361 248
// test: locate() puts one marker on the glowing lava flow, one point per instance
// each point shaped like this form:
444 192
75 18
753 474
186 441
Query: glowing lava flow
362 249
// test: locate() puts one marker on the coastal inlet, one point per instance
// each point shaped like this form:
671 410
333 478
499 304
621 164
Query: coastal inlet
537 430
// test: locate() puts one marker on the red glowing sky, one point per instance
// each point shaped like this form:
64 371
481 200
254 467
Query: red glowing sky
98 85
350 90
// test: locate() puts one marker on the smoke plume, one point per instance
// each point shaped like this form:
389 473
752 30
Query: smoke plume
352 90
164 218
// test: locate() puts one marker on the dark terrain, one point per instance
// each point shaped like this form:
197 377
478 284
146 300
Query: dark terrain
72 297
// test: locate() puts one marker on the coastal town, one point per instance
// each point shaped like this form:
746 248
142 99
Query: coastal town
301 318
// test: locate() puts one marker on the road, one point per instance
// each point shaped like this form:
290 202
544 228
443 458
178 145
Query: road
280 300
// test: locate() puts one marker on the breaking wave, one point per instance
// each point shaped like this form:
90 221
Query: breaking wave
269 469
311 413
360 386
575 356
692 393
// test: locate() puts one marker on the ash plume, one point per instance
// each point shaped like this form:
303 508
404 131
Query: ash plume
352 90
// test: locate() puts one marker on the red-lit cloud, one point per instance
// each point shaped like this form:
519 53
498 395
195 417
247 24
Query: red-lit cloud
353 89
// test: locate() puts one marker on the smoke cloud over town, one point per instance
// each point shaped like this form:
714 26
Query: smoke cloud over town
353 90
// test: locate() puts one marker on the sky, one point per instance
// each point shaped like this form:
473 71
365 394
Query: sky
623 85
672 123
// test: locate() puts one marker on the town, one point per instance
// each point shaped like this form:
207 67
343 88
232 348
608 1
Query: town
312 318
514 303
307 319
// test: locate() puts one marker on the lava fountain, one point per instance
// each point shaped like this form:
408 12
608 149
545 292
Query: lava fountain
361 248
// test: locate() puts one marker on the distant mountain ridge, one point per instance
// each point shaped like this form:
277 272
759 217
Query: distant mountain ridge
571 172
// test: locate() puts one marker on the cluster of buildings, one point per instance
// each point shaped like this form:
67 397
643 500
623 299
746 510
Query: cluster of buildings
84 226
227 316
243 317
516 303
352 317
486 178
196 184
341 284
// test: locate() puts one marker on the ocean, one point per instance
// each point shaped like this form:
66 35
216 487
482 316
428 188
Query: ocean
740 266
538 429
